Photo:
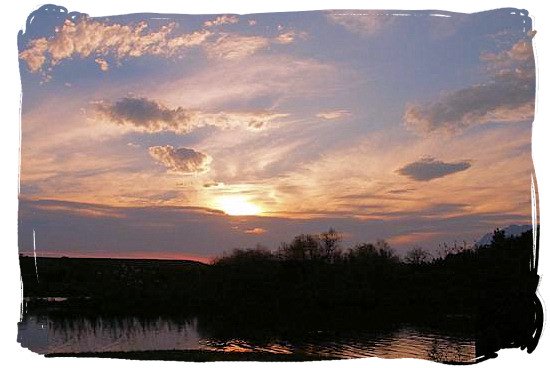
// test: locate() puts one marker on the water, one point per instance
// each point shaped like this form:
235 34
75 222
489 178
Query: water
44 333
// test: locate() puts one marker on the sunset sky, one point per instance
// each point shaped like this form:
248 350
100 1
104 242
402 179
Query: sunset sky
187 136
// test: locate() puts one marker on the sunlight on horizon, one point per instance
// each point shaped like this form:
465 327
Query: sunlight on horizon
237 205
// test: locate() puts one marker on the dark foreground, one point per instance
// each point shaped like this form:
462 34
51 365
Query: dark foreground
482 294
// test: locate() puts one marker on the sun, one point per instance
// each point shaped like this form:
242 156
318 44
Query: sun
236 205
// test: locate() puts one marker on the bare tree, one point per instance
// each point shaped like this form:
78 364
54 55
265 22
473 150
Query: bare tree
331 244
417 256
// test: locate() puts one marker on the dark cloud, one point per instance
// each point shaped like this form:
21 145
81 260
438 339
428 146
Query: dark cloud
400 191
508 96
429 168
145 114
151 116
432 210
183 160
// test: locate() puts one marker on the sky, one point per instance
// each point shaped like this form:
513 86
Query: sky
174 136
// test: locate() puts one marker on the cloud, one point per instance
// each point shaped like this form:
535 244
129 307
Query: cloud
429 168
509 96
273 79
82 209
256 231
212 184
235 46
182 160
86 37
333 114
222 19
365 23
520 51
103 64
290 36
414 237
151 116
63 227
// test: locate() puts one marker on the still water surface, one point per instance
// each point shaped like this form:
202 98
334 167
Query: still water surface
44 334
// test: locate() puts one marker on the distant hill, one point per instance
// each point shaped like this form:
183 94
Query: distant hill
512 230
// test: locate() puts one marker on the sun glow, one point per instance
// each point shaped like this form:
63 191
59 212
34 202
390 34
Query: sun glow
237 206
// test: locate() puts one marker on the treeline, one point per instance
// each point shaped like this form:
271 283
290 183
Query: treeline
314 272
314 281
489 289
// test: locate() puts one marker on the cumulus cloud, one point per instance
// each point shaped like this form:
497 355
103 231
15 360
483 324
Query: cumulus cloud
222 19
520 51
333 114
509 96
365 23
182 160
429 168
151 116
86 37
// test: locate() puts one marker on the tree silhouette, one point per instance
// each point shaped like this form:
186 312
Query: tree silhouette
331 245
417 256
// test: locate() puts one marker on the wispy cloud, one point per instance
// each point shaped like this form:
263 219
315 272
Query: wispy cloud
230 46
234 46
509 96
429 168
273 79
204 231
82 209
182 160
151 116
333 114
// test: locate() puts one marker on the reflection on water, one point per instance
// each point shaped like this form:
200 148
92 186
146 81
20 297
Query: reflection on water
46 334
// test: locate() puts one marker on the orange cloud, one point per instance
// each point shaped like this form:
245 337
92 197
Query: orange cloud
103 64
290 36
256 231
413 238
86 37
222 19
